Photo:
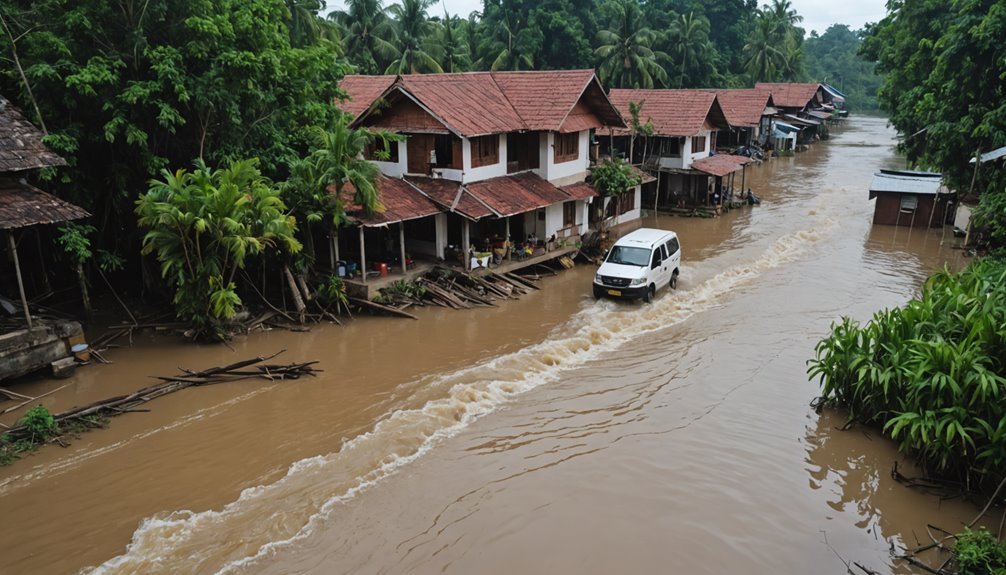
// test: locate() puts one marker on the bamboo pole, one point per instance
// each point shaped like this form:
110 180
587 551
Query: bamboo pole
20 281
401 242
363 257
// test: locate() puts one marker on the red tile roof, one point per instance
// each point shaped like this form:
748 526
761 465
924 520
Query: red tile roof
22 205
21 146
720 164
450 196
362 91
643 176
580 191
672 112
516 193
401 202
480 103
744 108
790 95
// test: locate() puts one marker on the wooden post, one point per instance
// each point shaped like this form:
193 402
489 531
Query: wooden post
401 241
744 172
363 257
506 240
20 281
656 196
466 258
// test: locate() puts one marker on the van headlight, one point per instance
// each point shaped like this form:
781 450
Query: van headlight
597 279
639 281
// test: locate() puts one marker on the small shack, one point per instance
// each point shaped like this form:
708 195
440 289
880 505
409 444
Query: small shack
909 198
31 344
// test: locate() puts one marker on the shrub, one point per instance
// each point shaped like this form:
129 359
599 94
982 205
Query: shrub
932 374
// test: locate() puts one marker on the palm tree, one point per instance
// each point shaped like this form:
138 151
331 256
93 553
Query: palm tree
414 31
305 26
368 34
506 47
450 46
689 42
783 14
626 57
763 53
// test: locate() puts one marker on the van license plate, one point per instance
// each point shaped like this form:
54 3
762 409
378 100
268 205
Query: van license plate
614 292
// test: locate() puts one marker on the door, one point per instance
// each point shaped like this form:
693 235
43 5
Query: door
673 253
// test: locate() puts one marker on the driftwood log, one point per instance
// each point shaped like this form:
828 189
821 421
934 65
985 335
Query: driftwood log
247 369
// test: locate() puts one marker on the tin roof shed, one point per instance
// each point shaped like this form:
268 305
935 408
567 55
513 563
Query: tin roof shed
906 182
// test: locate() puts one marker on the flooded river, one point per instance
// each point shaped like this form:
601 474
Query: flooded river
551 435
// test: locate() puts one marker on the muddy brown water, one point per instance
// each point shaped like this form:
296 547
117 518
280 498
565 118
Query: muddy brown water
551 435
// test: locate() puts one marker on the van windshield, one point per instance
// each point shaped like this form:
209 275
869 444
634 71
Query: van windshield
629 256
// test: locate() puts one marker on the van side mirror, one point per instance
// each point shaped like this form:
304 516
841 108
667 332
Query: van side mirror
656 263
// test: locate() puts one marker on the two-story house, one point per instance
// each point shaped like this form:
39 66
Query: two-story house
749 114
502 154
680 150
803 109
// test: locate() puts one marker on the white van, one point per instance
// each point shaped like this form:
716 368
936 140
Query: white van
639 264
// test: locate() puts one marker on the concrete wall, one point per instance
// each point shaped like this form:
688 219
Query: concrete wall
24 351
395 169
566 172
471 174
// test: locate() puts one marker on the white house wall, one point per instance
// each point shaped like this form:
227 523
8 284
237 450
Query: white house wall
697 154
566 172
553 219
484 172
395 169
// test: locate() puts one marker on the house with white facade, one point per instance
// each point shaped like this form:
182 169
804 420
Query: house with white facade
680 152
500 153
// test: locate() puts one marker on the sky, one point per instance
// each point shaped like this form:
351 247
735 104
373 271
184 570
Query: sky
817 14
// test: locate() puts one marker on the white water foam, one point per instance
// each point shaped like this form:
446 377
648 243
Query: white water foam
266 518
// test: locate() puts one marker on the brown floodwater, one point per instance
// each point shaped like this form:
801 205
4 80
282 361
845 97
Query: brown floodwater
554 434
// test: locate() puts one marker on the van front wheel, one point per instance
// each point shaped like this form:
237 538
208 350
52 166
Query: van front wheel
674 280
648 295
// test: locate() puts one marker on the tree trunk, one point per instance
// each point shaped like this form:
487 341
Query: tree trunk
83 290
295 292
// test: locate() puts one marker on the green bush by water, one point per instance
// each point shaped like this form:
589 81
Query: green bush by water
931 373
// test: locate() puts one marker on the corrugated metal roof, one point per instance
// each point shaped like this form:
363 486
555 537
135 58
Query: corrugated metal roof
928 184
580 190
22 205
993 155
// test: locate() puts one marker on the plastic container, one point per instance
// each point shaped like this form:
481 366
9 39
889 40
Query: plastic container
340 268
382 268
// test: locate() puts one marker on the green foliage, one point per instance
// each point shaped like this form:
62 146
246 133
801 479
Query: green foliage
932 373
625 54
332 291
75 241
203 226
614 178
944 65
39 423
979 553
991 214
128 88
832 58
774 52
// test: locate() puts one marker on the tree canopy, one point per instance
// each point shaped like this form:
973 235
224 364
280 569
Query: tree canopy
944 88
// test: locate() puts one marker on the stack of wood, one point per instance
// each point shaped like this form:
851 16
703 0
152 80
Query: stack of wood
457 290
247 369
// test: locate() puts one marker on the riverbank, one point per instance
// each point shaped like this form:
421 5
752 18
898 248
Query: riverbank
554 432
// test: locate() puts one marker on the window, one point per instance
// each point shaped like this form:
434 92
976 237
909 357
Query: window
670 148
376 150
567 147
485 150
672 246
656 261
569 214
698 144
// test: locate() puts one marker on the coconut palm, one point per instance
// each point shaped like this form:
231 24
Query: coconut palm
689 43
306 27
414 31
626 57
507 45
763 54
450 47
368 34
